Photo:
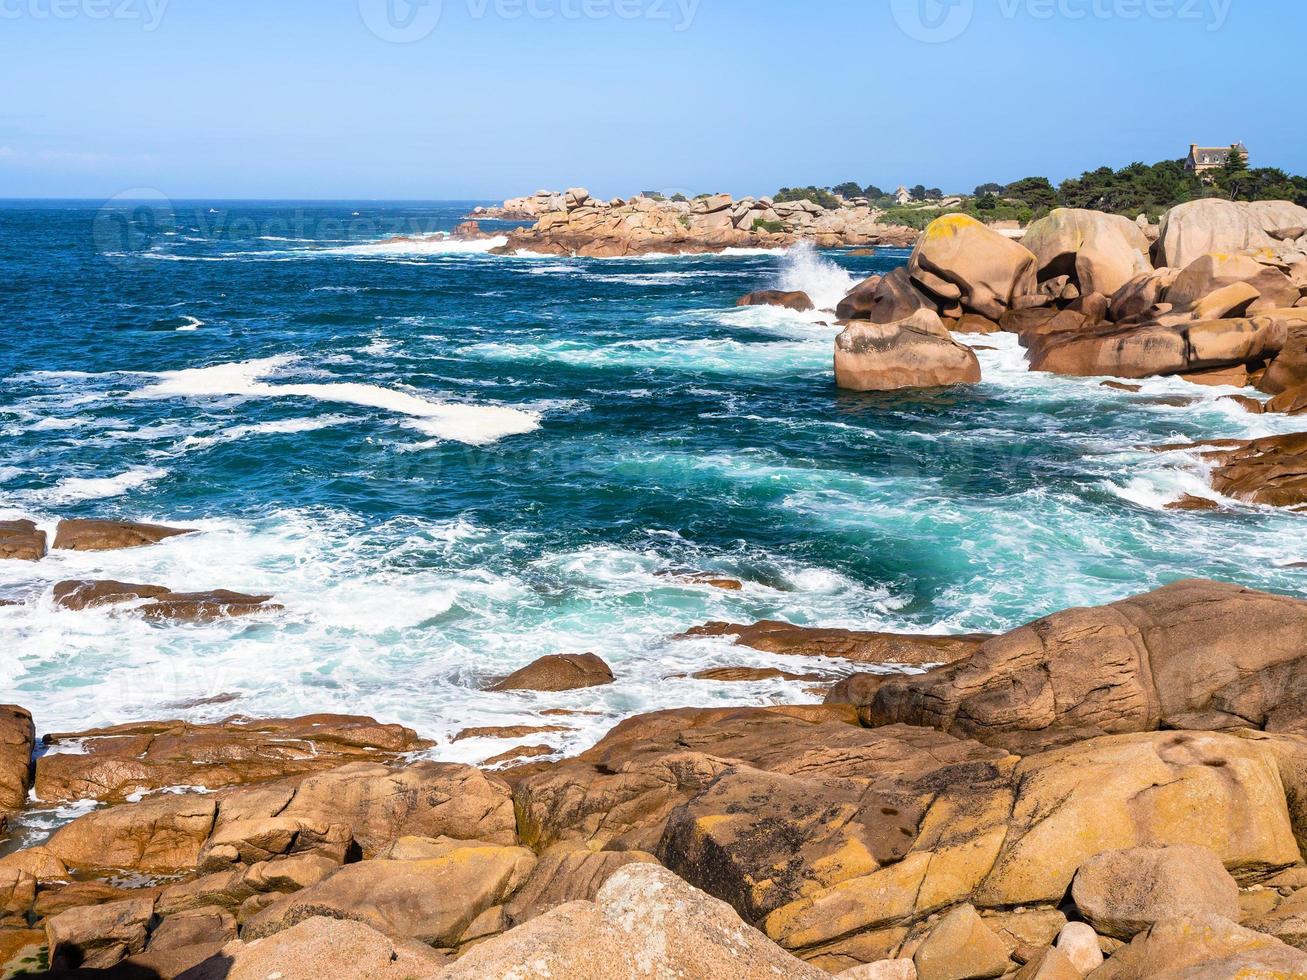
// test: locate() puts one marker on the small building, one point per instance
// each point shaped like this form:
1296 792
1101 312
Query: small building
1204 159
903 196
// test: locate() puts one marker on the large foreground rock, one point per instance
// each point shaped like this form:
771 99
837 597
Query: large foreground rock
111 764
958 259
916 352
1126 667
1099 252
645 923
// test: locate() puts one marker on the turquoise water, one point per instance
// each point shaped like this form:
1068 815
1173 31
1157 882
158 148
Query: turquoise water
446 463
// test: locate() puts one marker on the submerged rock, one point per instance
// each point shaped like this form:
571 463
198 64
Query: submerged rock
80 535
164 604
566 672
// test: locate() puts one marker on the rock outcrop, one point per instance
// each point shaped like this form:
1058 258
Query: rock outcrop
17 739
858 646
1160 658
163 603
1211 225
916 352
565 672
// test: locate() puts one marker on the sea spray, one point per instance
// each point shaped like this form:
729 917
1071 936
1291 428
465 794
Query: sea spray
804 269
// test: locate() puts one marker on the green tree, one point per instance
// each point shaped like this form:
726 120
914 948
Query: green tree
984 189
1037 192
872 192
986 202
918 192
847 189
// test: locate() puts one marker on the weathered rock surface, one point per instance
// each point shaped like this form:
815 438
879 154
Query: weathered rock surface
915 352
79 595
645 922
1099 252
1124 667
17 739
1158 349
203 607
79 535
565 875
433 901
1202 948
21 541
113 763
98 937
321 948
1122 893
798 301
1270 471
1211 225
861 647
567 672
960 947
1208 274
859 302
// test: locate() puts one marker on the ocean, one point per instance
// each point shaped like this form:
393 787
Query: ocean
445 464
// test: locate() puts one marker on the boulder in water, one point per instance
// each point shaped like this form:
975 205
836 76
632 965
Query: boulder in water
110 535
916 352
21 540
797 301
566 672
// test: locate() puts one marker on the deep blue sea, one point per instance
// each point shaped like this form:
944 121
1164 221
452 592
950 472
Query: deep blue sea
445 464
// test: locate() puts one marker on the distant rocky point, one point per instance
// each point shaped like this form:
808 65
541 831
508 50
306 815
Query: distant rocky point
574 223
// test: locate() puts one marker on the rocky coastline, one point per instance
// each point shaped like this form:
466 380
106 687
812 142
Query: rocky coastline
1115 791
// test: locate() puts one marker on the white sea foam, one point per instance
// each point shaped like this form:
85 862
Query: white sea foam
76 489
804 269
472 424
420 246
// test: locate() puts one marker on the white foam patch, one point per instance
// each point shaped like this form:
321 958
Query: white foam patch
472 424
76 489
686 355
420 246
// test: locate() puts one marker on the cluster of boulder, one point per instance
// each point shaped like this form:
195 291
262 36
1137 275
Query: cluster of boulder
22 540
574 223
1217 298
1112 792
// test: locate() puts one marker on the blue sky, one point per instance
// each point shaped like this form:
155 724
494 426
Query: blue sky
302 98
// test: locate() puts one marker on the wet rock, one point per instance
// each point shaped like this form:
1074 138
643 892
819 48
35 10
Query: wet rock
510 731
433 901
21 541
1117 668
79 535
204 607
644 922
1192 503
521 752
1122 893
915 352
974 323
568 672
800 302
733 675
1270 471
1291 402
717 582
99 937
113 763
88 594
159 834
1119 386
1289 368
17 739
1205 948
1234 377
860 647
858 304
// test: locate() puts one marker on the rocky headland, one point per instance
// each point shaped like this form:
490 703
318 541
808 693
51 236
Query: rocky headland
574 223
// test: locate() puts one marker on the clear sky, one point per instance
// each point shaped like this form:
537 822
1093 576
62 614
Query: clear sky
364 99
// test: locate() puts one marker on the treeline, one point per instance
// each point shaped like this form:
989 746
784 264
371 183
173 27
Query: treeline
1133 190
